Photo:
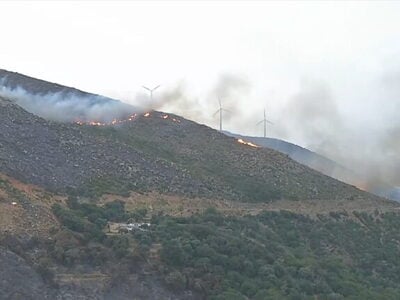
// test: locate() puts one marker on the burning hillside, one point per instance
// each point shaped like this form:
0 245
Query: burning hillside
151 150
60 103
131 118
241 141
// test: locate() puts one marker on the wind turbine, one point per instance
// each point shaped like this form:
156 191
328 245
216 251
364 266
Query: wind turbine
151 90
265 121
220 111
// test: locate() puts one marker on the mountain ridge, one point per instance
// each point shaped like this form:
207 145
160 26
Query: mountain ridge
56 102
34 85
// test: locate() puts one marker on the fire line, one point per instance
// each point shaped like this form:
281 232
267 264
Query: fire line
116 121
247 143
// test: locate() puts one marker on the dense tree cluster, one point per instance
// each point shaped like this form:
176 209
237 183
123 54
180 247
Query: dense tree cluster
83 240
274 255
280 255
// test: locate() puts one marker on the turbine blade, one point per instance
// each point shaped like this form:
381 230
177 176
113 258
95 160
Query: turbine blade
216 112
258 123
269 122
156 87
146 88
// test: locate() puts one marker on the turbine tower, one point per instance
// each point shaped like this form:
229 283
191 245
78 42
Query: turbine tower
265 121
220 111
151 90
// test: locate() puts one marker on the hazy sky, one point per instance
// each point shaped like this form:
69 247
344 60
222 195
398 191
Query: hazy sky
328 72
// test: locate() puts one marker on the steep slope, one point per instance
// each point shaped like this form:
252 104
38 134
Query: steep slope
306 157
322 164
60 156
25 210
14 80
193 154
158 152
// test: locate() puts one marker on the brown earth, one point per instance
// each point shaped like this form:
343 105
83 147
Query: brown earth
157 203
25 209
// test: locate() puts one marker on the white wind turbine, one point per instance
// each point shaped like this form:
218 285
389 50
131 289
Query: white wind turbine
220 111
265 121
151 91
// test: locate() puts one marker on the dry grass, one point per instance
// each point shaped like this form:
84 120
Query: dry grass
25 209
157 203
32 213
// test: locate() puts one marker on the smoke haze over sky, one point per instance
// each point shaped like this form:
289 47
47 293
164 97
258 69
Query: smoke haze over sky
327 72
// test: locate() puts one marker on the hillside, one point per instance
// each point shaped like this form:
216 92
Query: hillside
306 157
223 219
14 80
60 103
32 243
322 164
153 153
171 155
63 251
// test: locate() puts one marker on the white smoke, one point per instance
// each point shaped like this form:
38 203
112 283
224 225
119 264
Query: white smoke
312 117
230 89
68 106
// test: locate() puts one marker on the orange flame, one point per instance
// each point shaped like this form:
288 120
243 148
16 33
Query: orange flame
113 122
247 143
116 121
93 123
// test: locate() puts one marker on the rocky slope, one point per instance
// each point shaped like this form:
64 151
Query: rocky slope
153 153
322 164
306 157
57 156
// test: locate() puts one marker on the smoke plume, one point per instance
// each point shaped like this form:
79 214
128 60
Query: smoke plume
230 89
369 148
68 106
312 115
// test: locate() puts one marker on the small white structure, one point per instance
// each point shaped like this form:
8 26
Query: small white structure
133 226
